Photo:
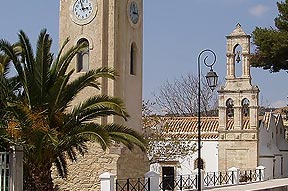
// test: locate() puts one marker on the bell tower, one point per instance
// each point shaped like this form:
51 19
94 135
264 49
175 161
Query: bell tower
238 107
113 29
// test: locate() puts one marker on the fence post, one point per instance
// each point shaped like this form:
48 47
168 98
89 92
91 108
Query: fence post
107 181
235 172
261 173
195 171
16 165
154 180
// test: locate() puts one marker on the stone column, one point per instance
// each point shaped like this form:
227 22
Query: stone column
260 170
235 174
237 115
154 180
230 74
246 65
107 181
222 118
16 165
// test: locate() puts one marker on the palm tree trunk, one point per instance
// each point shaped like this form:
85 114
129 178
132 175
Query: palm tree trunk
37 177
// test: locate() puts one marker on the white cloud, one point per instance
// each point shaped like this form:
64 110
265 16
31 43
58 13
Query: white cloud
258 10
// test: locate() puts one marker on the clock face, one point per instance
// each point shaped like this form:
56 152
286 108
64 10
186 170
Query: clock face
134 12
83 9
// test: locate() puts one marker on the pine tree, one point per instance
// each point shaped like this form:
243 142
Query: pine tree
272 43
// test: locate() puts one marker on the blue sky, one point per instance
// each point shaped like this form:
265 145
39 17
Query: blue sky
175 31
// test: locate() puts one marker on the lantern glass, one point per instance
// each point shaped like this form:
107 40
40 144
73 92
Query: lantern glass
212 79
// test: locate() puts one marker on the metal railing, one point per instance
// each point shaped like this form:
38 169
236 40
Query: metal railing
250 175
212 179
182 182
136 184
4 171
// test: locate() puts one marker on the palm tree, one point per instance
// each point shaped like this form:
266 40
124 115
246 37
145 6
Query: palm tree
41 117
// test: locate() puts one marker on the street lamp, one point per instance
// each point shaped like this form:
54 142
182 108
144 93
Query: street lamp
212 79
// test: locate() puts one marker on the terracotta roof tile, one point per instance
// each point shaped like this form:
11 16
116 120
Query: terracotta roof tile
187 127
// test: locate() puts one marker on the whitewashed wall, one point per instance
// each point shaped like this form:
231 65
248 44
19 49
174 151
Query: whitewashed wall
272 147
209 153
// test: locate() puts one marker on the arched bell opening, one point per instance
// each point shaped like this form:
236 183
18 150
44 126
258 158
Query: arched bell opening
229 113
238 61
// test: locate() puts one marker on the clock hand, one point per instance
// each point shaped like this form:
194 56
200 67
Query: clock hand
82 5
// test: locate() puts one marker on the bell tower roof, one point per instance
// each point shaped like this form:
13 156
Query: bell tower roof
238 31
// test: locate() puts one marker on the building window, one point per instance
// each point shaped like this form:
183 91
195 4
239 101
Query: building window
83 57
133 59
202 164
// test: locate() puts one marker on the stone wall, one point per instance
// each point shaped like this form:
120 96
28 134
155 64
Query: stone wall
84 174
242 154
132 164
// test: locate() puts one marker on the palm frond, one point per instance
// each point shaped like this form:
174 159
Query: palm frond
99 106
127 136
55 93
4 65
27 52
86 132
65 60
72 89
56 64
105 72
61 165
8 50
43 62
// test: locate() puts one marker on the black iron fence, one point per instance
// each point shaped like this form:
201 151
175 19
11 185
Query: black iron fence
250 175
212 179
182 182
136 184
189 182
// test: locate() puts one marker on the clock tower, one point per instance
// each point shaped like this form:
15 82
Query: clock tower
113 29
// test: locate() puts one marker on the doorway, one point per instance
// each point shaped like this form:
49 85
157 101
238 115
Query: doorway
168 177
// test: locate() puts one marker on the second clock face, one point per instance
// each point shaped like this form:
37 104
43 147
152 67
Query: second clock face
134 12
83 9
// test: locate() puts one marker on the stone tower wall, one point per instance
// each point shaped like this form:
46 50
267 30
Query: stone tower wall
241 154
238 146
110 35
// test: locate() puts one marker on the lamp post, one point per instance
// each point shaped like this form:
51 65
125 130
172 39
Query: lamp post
212 79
